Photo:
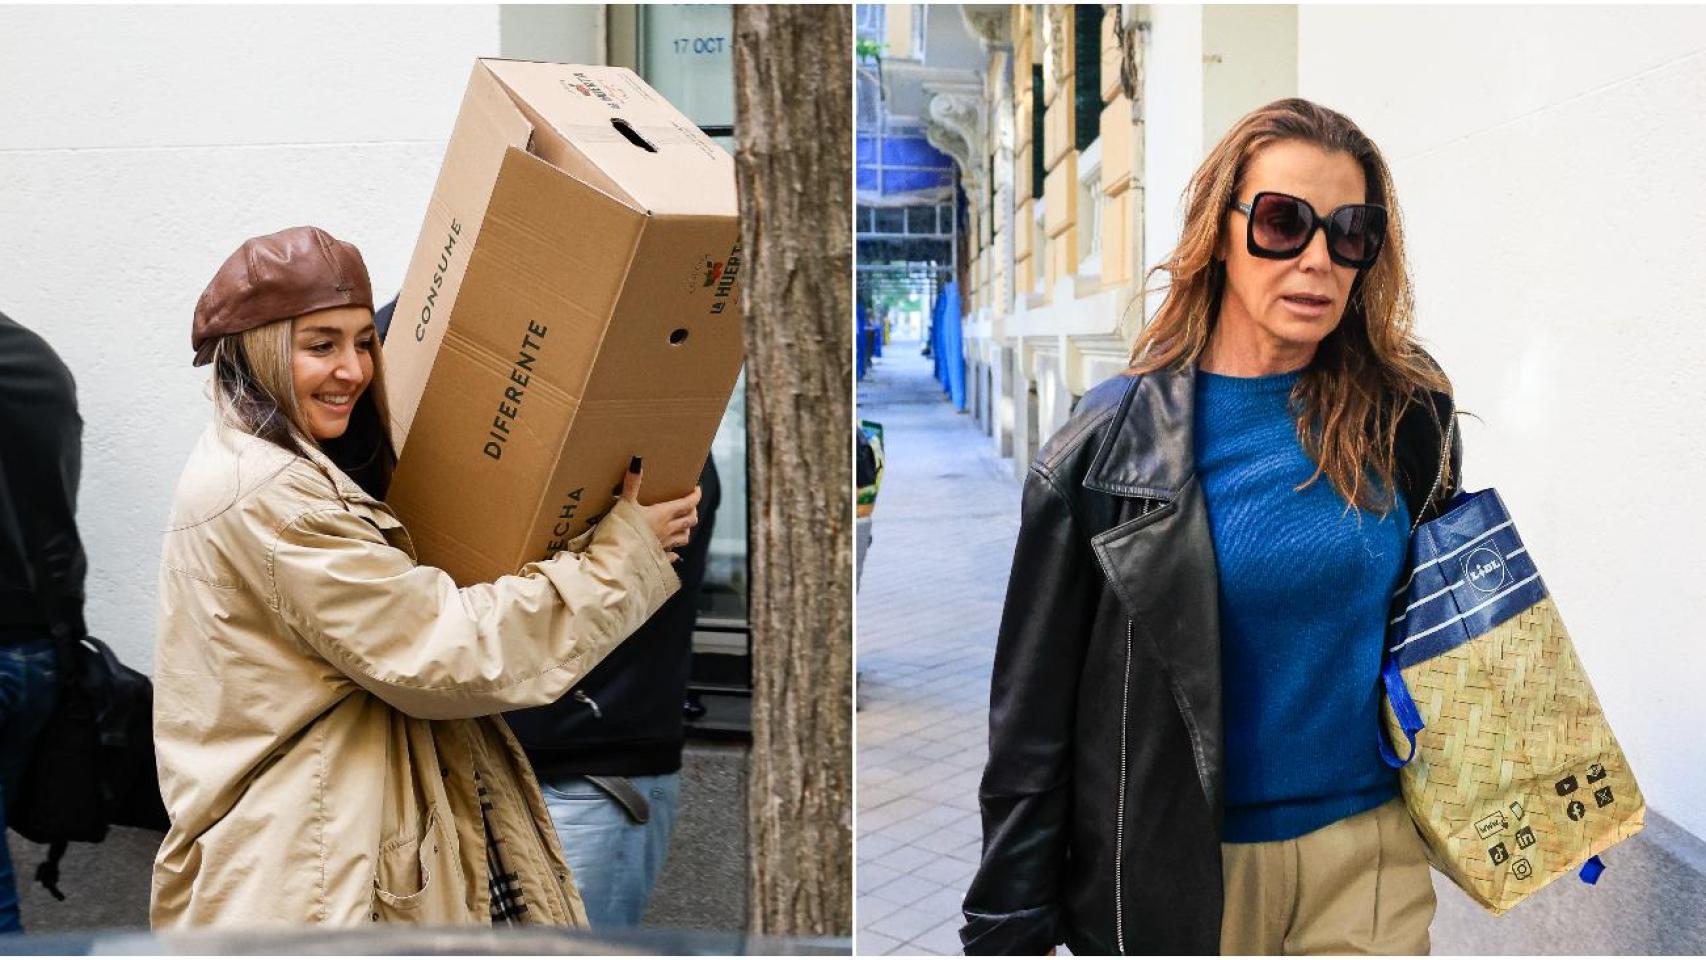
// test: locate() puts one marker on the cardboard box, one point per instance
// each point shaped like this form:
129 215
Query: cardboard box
571 302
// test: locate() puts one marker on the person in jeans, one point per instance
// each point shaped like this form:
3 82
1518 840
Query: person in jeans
608 755
42 565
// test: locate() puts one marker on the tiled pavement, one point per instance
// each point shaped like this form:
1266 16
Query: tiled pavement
928 607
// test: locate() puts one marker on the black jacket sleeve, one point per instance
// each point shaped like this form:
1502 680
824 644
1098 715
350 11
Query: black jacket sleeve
1421 432
41 441
1026 793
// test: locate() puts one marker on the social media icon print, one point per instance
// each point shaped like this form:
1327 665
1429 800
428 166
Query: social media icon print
1491 825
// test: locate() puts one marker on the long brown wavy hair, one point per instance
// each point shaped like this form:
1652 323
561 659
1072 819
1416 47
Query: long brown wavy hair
1368 370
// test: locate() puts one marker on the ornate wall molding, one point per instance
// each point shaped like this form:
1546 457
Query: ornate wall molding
990 23
956 127
1131 31
1056 28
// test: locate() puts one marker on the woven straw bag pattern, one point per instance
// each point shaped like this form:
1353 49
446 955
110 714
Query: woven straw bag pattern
1517 778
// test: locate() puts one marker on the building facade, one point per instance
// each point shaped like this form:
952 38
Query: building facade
1058 159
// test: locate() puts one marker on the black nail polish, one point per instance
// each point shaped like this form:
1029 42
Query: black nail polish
634 465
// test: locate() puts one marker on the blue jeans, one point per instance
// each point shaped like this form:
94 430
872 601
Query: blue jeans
616 861
29 685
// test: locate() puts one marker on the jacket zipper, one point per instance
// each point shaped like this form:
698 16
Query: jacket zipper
582 697
1119 817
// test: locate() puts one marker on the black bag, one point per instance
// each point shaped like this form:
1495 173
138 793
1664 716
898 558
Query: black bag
865 461
93 765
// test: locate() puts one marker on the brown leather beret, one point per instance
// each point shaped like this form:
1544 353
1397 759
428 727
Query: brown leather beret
276 277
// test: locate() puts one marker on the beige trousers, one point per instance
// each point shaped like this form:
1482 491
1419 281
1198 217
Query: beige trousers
1359 886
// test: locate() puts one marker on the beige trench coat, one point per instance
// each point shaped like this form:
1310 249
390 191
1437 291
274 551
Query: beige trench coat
322 703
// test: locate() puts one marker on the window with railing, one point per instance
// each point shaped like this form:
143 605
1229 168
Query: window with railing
869 21
1091 204
1040 259
895 30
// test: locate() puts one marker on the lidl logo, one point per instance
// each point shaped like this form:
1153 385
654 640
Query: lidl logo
1484 570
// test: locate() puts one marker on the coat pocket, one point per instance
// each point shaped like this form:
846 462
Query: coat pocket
415 879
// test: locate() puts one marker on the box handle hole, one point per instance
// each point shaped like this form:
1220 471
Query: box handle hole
633 135
679 336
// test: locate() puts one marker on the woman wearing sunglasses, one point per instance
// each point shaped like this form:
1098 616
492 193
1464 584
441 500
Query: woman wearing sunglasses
1184 715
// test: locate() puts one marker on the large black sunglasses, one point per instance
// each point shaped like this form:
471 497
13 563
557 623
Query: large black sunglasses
1280 226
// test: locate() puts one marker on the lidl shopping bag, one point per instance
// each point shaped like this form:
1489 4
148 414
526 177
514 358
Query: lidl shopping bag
1513 775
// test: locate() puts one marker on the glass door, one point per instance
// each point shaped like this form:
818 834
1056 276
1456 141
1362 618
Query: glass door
686 53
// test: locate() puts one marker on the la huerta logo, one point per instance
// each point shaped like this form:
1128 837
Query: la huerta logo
724 279
588 87
713 270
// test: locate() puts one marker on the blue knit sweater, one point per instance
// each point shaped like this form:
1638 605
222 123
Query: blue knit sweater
1304 587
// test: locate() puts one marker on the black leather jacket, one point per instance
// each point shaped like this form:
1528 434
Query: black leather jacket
1102 796
624 719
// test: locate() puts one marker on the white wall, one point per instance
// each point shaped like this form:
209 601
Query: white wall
138 147
1549 163
1249 59
1173 130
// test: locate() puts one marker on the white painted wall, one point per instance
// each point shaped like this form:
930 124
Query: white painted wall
1549 163
1249 59
138 147
1173 130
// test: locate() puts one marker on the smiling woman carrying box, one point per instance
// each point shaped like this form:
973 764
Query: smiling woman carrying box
324 703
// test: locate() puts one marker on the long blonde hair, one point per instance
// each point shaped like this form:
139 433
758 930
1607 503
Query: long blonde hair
254 391
1368 370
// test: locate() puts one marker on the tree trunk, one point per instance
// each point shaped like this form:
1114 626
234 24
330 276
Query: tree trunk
794 168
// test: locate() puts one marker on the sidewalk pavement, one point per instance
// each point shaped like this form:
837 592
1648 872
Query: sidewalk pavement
928 609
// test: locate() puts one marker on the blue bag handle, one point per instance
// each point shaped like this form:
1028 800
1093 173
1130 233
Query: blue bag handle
1592 869
1404 708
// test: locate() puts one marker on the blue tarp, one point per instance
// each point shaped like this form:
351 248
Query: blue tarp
946 345
935 336
864 356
